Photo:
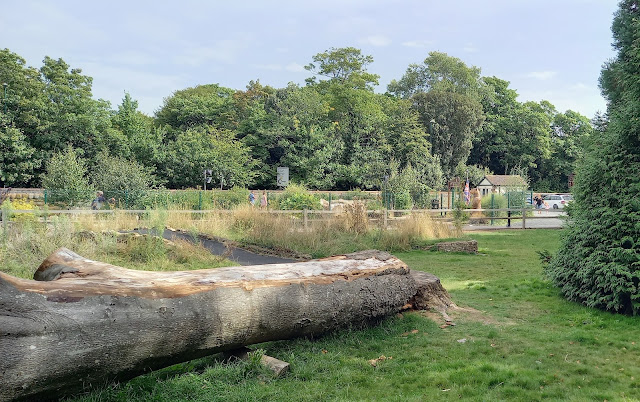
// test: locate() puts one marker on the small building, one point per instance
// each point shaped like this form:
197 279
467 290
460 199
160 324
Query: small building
500 184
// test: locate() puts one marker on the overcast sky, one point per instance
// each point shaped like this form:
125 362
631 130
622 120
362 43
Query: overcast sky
548 49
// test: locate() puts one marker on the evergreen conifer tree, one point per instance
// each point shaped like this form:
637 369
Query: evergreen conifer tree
598 263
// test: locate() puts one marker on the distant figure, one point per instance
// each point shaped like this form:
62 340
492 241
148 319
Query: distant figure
539 203
252 198
112 203
263 200
98 201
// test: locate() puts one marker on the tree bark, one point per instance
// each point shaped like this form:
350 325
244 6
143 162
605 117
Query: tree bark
86 323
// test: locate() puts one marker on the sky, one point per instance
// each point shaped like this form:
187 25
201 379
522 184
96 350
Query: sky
547 49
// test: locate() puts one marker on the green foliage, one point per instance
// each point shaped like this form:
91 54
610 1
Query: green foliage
334 133
402 200
202 148
452 120
460 216
201 106
65 178
598 263
347 66
494 201
17 162
439 72
297 197
126 181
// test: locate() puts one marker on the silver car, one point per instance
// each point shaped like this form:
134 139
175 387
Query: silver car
557 201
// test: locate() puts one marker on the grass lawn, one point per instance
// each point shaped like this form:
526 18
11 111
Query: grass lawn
515 338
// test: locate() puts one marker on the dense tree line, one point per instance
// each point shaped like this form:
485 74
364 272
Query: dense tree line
440 119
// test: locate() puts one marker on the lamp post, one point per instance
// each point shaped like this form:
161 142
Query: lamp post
5 85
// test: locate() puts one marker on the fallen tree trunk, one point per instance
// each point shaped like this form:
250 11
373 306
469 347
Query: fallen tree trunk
87 323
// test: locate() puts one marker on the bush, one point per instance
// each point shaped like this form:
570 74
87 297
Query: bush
65 179
402 200
297 197
499 202
126 181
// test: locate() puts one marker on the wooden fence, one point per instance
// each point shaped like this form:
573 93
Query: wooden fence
513 217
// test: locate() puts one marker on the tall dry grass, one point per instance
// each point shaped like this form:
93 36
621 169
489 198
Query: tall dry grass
28 243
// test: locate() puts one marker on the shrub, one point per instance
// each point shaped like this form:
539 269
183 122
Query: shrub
402 200
65 179
297 197
499 202
126 181
21 204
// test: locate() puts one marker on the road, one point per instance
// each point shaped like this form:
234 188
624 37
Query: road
545 219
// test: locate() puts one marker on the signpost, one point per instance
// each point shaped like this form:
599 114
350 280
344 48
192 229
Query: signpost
207 177
282 178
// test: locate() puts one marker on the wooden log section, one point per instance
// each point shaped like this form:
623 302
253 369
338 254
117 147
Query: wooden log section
87 323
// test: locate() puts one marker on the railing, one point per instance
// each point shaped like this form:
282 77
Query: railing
518 216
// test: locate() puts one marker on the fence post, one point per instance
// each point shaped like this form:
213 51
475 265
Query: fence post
492 213
509 209
305 218
524 219
441 202
200 200
4 223
45 196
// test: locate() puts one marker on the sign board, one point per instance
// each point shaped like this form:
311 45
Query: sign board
454 183
282 178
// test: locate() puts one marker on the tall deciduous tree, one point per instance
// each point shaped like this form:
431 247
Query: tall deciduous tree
201 106
439 71
598 263
207 148
346 66
17 164
452 120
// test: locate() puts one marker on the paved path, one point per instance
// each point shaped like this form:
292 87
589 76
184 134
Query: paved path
242 257
552 219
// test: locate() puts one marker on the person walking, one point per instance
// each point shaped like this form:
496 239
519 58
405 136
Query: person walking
539 202
252 198
98 201
263 200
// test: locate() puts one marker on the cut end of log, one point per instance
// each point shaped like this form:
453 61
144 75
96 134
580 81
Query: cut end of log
430 294
56 264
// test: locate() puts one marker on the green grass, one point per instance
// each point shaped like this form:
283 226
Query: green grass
523 342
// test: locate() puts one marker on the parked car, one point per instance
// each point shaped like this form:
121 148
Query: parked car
557 201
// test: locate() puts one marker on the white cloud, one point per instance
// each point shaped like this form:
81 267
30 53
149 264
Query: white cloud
470 48
225 50
132 57
271 67
376 40
542 75
418 43
295 68
110 83
580 86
